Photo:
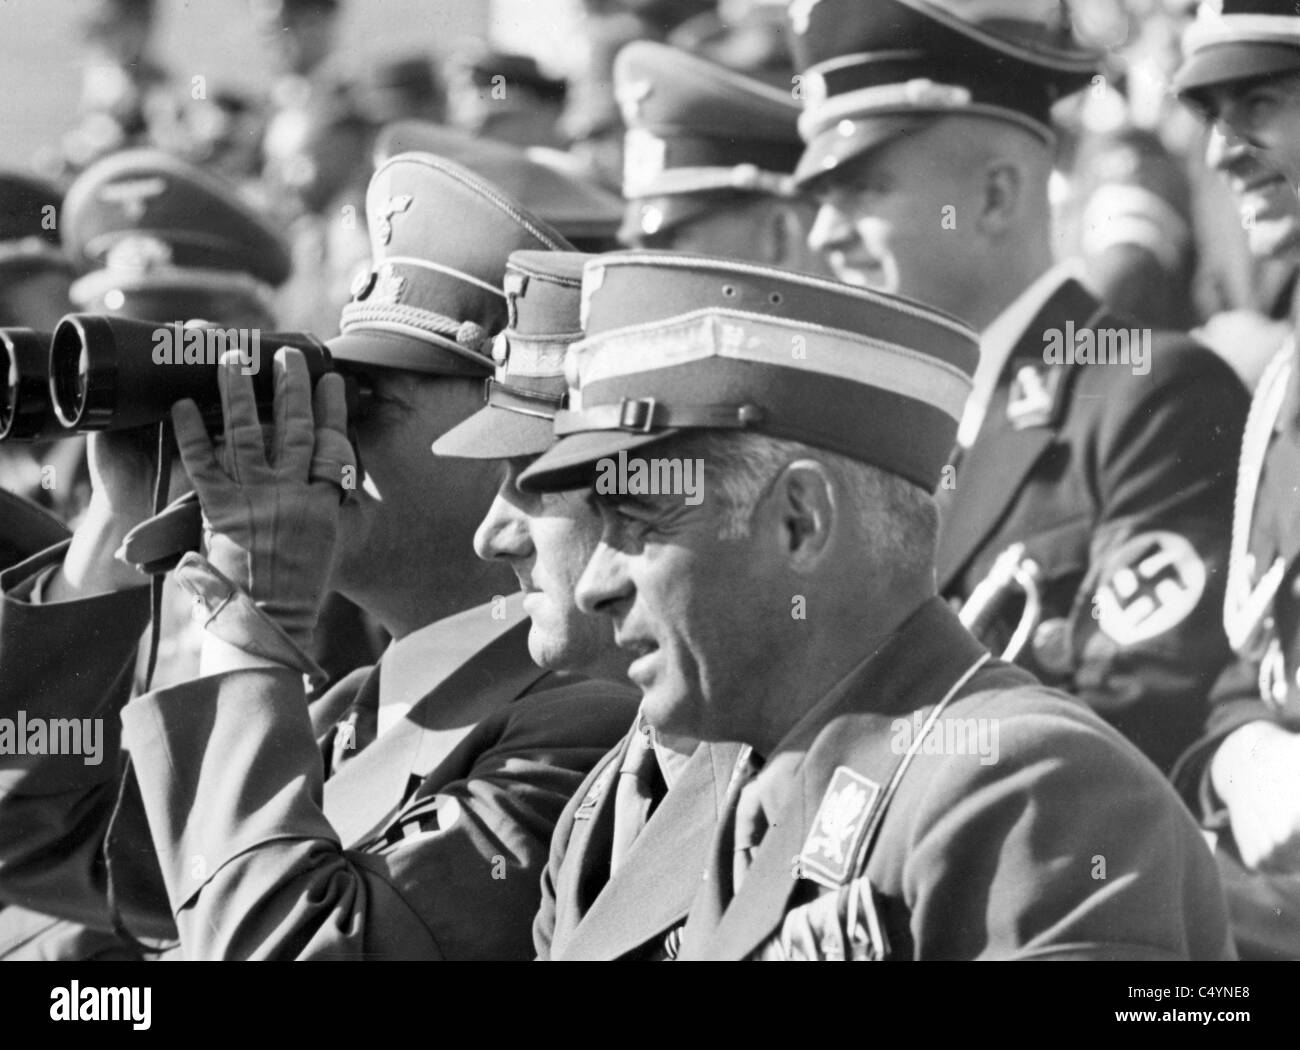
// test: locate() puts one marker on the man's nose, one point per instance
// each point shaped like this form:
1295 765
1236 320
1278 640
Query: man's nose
830 229
503 532
603 583
1224 148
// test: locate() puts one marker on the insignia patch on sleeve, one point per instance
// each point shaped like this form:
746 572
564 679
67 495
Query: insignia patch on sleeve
1149 586
837 830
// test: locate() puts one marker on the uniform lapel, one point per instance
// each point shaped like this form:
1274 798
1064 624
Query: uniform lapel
1280 535
654 888
369 788
996 465
587 853
915 670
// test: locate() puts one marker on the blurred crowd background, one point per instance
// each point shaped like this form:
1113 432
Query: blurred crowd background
288 99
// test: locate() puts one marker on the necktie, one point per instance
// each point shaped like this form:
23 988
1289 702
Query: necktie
634 795
751 826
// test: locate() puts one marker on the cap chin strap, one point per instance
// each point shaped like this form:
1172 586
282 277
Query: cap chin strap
644 415
741 178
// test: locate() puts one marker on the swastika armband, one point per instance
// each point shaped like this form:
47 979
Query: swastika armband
1149 585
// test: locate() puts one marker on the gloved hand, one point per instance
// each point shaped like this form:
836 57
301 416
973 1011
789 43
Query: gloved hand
270 520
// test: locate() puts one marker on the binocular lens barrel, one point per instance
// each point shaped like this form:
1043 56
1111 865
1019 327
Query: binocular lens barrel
25 411
108 373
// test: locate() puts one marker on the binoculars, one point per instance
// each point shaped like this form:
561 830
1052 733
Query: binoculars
108 373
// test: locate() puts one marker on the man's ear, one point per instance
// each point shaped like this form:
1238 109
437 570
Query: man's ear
807 507
1002 196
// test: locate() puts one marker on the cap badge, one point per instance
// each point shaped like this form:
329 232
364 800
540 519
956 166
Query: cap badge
138 252
363 282
384 216
592 278
652 219
389 286
500 350
925 92
801 14
631 96
644 157
132 195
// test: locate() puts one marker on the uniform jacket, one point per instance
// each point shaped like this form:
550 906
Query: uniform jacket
638 913
1059 842
53 809
26 529
1120 486
1263 682
229 834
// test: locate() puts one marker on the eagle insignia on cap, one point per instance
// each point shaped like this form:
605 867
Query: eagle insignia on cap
801 14
133 195
388 286
384 216
138 252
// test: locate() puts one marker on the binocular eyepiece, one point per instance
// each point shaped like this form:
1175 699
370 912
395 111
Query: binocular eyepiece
25 410
109 373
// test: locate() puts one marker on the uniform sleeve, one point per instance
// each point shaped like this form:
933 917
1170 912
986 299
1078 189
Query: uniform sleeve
1234 702
1068 846
232 783
68 668
1147 623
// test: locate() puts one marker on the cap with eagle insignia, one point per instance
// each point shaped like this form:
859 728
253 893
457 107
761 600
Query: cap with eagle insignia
439 239
1238 40
29 214
695 131
541 179
162 239
875 71
543 295
677 341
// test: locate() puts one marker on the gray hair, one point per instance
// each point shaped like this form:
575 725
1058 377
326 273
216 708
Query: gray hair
899 519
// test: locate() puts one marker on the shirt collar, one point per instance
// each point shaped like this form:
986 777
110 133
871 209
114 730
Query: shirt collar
671 752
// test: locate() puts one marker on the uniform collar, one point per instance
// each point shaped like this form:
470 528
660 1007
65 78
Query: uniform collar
781 770
413 666
1000 338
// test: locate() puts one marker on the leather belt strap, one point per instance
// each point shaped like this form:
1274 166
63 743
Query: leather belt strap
646 414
